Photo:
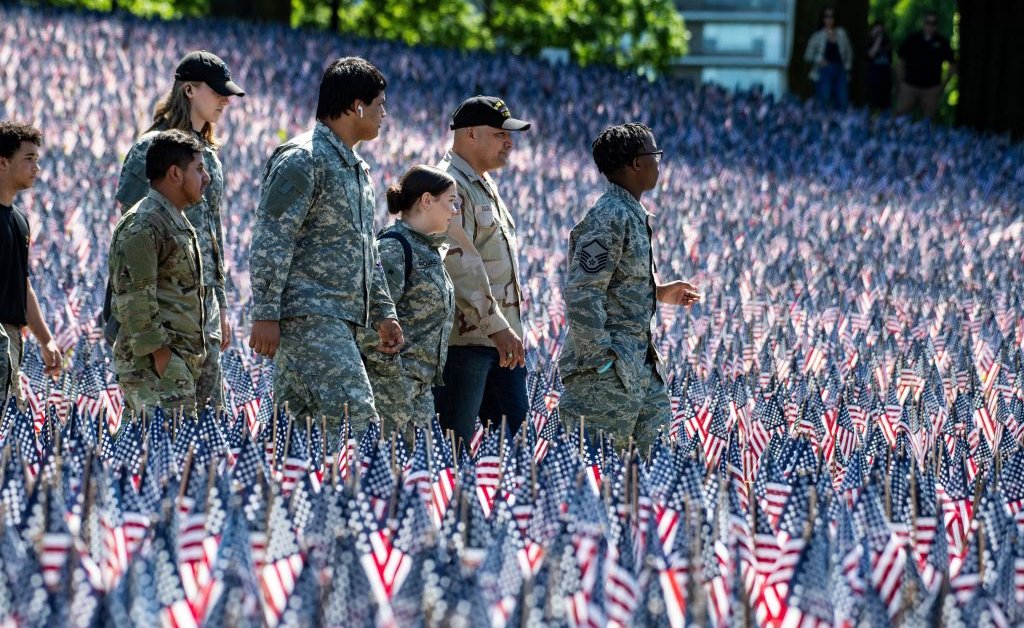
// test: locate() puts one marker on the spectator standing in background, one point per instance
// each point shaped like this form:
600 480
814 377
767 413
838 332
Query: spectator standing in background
19 306
831 57
879 69
202 90
921 55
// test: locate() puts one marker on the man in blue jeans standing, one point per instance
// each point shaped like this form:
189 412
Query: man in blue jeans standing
485 374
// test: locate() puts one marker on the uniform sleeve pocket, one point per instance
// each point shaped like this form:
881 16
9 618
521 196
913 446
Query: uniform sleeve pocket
282 196
286 187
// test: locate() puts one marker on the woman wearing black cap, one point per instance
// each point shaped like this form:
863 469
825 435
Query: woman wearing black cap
201 91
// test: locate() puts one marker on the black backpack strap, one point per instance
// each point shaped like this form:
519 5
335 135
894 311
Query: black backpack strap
110 322
406 248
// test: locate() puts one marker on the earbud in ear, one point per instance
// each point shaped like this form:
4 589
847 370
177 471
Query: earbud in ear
360 110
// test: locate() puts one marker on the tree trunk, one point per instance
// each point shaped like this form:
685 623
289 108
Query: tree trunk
852 15
335 19
279 11
991 80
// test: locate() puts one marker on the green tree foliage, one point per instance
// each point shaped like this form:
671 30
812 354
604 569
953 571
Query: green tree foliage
165 9
903 17
648 35
451 23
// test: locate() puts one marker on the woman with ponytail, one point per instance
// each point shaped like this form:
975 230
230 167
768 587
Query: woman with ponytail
201 91
412 253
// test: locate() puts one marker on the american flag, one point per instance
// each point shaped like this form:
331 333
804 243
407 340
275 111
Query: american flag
847 398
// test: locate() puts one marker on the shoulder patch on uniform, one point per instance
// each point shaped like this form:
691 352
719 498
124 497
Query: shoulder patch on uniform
593 256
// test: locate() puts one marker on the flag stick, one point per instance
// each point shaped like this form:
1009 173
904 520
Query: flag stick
394 463
582 420
323 438
429 436
187 471
287 442
309 437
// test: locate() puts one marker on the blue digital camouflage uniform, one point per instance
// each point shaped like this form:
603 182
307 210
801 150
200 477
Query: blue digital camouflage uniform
425 302
156 275
205 217
610 305
315 268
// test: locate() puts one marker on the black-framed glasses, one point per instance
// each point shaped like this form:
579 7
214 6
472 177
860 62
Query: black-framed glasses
655 153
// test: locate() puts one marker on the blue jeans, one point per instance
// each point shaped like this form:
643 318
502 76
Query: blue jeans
831 86
474 385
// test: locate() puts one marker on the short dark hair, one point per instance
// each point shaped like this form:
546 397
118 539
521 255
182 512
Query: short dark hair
618 145
12 134
170 148
344 81
418 180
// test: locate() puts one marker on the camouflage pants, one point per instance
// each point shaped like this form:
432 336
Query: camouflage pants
402 402
605 403
12 355
5 364
175 391
209 386
318 370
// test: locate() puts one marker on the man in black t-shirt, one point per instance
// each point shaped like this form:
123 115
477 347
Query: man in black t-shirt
921 57
19 307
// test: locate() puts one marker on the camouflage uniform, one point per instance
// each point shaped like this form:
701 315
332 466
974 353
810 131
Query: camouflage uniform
205 218
156 274
5 364
315 268
610 305
425 302
483 263
14 355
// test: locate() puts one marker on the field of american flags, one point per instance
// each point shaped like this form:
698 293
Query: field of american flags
848 401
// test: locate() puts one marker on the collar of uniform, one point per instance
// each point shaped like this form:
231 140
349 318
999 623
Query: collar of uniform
623 194
463 166
434 241
348 155
177 217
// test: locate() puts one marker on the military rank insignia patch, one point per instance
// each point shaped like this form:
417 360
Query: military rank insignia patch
593 257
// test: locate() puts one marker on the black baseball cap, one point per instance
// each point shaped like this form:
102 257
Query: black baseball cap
206 67
486 111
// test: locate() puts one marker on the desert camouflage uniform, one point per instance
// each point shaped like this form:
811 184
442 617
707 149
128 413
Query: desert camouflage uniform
315 268
483 260
205 217
610 305
156 274
425 302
